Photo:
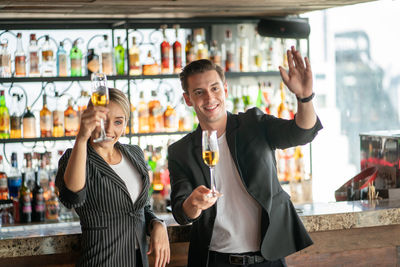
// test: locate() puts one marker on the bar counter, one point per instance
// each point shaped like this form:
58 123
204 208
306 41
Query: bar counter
364 233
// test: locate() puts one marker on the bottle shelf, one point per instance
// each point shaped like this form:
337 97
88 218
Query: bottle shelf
70 138
129 77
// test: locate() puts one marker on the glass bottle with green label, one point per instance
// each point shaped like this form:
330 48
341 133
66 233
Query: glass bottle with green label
119 55
4 117
76 60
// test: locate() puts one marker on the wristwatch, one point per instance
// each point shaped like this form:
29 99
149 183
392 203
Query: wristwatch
306 99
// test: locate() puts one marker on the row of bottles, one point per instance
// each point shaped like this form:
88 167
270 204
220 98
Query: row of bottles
159 176
56 123
150 116
31 188
265 96
233 54
48 60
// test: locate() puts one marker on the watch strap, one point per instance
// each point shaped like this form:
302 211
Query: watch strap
306 99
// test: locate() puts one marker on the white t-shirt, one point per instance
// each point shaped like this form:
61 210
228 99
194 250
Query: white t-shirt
132 178
237 226
130 175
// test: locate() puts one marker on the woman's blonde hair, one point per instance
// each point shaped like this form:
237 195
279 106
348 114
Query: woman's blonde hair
120 98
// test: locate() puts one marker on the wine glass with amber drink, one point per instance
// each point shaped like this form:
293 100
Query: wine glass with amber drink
210 155
100 98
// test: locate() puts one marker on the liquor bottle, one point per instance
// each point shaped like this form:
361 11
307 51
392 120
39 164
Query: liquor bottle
156 118
75 56
16 117
143 114
4 117
58 120
270 60
52 205
3 181
228 49
106 57
92 62
43 175
189 50
14 177
260 98
29 124
33 50
62 65
257 53
71 120
47 58
177 51
243 50
267 91
29 171
38 204
185 116
215 53
134 61
299 170
165 51
20 58
119 56
150 66
284 54
238 105
83 101
45 119
200 45
246 98
5 61
132 120
171 120
283 111
25 205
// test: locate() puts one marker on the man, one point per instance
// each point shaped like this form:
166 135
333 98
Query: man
253 223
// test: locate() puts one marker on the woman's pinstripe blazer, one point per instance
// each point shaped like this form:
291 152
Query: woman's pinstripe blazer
109 219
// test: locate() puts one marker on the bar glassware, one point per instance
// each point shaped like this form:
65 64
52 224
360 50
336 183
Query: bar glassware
100 98
210 155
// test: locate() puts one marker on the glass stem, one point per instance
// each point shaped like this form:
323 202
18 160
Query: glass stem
212 181
102 132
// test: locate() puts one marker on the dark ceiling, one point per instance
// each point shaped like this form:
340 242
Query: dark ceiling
162 8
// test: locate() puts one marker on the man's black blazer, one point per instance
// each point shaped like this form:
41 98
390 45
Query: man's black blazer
252 139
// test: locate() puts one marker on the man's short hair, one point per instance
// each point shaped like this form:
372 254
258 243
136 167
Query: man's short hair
199 66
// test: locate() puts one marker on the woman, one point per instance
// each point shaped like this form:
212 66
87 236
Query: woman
107 183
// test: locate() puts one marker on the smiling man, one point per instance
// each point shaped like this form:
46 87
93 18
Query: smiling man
251 220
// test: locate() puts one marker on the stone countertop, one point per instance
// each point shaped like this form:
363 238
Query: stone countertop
351 214
63 237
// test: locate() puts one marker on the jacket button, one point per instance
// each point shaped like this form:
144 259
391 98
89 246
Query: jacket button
132 214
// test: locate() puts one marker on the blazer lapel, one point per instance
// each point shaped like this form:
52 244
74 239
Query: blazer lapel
140 165
197 151
104 168
232 125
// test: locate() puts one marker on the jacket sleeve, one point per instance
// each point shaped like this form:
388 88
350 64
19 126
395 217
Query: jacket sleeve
149 217
181 188
282 133
67 197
